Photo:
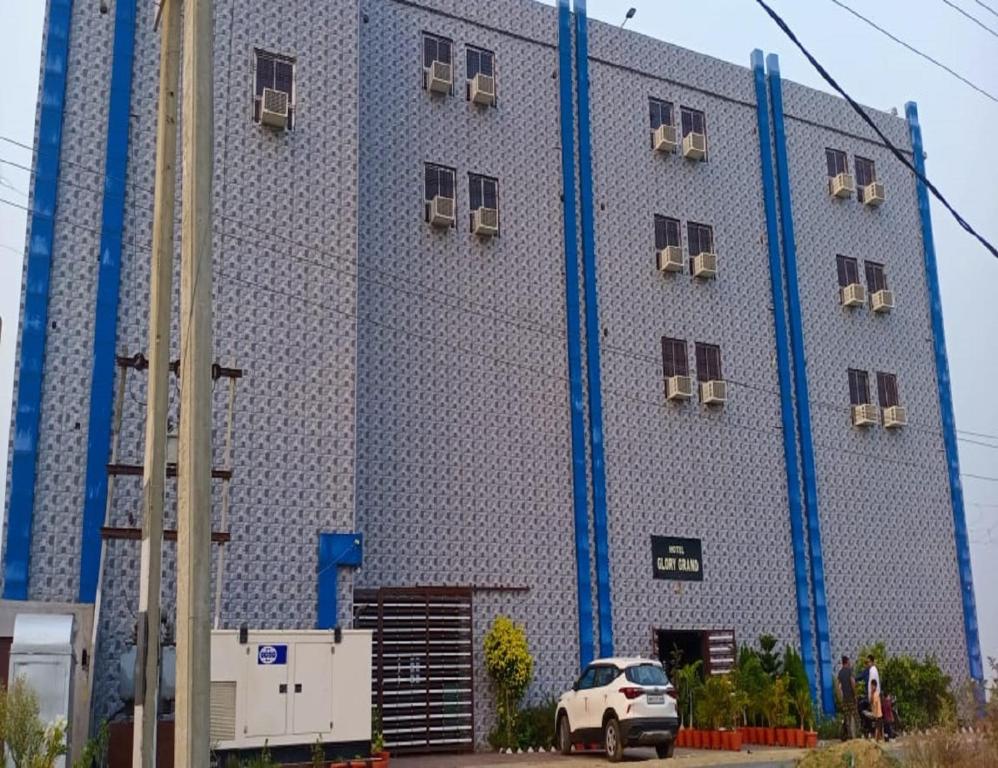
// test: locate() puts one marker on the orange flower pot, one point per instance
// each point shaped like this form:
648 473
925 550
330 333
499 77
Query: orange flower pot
801 738
681 737
735 744
725 740
696 738
770 737
715 739
811 739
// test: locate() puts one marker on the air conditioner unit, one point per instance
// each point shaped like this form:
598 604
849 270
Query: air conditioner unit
895 416
713 392
694 146
865 415
439 77
705 265
274 107
485 222
442 211
664 139
882 301
670 259
853 295
873 194
678 388
842 185
483 89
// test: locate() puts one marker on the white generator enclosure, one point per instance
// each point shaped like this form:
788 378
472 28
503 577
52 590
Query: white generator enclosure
286 688
41 653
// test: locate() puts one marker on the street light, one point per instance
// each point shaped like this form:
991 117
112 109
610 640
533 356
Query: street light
629 16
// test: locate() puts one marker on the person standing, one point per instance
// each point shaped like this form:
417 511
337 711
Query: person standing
847 687
876 711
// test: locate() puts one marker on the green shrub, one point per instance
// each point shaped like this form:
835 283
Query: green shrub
535 725
829 728
29 742
716 707
920 688
769 657
94 754
510 667
798 687
688 684
751 681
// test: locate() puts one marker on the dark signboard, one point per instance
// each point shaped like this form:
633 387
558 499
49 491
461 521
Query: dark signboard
675 558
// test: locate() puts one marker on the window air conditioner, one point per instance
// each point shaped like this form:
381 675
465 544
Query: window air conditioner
485 222
853 295
678 388
842 185
873 194
665 138
713 392
705 265
483 89
442 211
274 109
694 146
895 416
438 77
865 415
882 301
670 259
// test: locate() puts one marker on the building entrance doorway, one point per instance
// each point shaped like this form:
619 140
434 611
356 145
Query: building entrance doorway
714 647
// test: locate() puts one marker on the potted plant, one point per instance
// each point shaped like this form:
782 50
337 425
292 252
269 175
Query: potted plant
716 708
800 694
775 704
378 737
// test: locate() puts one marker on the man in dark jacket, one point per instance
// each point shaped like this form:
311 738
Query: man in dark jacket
847 689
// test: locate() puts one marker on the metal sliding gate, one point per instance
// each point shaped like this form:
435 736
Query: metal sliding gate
423 666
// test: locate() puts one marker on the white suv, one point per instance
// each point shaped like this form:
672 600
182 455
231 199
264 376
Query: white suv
619 703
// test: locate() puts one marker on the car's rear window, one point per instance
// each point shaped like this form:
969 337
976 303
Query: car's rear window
646 674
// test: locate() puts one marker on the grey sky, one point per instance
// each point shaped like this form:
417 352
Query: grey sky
958 129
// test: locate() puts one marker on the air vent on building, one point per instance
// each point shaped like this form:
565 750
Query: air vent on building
670 259
222 698
439 77
882 301
485 222
665 138
713 392
483 89
865 415
678 388
896 416
274 109
853 295
705 265
841 185
873 194
442 211
694 146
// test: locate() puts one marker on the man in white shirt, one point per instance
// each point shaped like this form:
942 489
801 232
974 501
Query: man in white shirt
871 673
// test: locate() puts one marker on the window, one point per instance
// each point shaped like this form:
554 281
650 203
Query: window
661 112
876 279
693 121
483 192
708 362
866 173
700 239
646 674
848 270
887 389
480 61
674 362
666 232
276 72
605 676
859 387
837 162
587 679
438 180
435 48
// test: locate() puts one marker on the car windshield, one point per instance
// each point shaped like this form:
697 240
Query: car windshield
647 674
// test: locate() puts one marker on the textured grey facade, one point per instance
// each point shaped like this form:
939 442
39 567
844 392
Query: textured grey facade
411 383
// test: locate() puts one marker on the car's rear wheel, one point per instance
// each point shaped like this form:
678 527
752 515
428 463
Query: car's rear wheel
564 736
612 741
665 750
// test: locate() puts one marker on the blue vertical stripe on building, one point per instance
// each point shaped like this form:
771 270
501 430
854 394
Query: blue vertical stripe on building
801 391
20 515
573 341
592 335
783 371
336 550
946 404
108 280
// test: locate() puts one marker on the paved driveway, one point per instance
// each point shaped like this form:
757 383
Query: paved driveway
685 758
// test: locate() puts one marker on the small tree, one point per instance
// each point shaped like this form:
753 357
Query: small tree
688 684
29 743
716 707
775 703
510 667
769 657
751 681
798 687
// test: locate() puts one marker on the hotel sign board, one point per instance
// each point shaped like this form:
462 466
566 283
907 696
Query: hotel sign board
676 559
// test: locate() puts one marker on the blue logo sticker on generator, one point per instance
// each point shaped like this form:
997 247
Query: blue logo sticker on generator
270 655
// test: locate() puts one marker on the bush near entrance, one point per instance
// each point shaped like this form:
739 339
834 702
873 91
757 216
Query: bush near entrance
510 668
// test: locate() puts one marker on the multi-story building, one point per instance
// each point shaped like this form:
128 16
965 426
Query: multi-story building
636 346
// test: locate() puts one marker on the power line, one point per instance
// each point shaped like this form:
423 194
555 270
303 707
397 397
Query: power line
897 40
974 19
869 121
986 7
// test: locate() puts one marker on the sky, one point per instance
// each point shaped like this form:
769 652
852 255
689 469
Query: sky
958 131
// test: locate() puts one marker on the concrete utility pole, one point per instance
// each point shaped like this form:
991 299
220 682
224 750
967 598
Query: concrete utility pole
195 455
154 466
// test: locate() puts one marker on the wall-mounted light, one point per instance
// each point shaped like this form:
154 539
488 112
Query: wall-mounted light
629 16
